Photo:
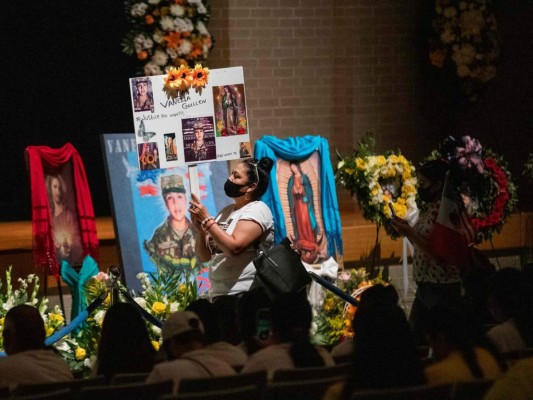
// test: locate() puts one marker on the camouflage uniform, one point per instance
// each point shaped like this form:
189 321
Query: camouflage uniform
165 247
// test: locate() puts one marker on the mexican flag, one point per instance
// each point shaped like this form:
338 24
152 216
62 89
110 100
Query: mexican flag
453 231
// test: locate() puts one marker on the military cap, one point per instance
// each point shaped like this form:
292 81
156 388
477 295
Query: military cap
172 183
142 80
198 125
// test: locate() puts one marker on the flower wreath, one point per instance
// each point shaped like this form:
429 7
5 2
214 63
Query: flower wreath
167 33
483 181
377 181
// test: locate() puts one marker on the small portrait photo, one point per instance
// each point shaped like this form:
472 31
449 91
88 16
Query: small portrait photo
148 156
230 110
143 96
64 214
199 139
245 150
171 153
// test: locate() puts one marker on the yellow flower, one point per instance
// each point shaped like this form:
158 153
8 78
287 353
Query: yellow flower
394 159
80 353
158 307
1 321
381 160
56 318
360 163
200 76
49 331
156 345
182 288
179 79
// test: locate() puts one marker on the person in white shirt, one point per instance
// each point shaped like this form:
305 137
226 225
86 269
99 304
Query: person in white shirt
28 361
230 241
291 318
184 342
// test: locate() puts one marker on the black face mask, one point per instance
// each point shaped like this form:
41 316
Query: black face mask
426 195
233 189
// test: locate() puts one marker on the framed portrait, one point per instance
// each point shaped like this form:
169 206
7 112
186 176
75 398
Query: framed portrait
150 210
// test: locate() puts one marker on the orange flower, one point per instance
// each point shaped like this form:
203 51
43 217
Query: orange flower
177 81
437 58
142 55
195 53
180 61
200 76
149 19
173 39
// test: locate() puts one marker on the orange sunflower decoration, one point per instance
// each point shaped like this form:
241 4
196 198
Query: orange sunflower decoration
200 76
178 80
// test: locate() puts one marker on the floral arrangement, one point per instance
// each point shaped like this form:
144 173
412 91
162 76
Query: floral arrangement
179 80
26 293
333 321
483 181
379 181
465 40
164 292
167 33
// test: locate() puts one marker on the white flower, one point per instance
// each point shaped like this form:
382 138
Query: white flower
185 47
89 362
167 23
183 25
99 317
63 346
139 9
152 69
160 58
174 306
156 330
158 36
140 301
177 10
154 1
8 305
172 53
201 8
195 2
201 28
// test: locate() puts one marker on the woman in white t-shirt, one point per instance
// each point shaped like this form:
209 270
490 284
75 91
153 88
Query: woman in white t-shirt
229 241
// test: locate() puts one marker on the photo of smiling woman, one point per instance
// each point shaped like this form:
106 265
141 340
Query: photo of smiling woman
229 240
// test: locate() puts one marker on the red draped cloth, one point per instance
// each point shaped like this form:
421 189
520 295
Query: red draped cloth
44 251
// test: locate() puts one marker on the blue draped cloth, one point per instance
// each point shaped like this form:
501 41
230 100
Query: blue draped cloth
75 281
296 149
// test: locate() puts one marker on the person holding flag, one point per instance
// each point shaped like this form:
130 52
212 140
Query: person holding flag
440 244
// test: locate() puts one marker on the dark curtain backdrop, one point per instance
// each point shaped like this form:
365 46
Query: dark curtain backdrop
65 79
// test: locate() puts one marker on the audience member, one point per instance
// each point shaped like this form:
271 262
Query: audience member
291 321
248 307
213 317
516 384
28 361
184 342
462 351
125 346
509 305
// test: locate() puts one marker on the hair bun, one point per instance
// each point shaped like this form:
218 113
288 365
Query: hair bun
266 164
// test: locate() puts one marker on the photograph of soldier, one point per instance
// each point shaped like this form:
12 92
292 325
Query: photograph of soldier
199 142
143 98
170 146
172 243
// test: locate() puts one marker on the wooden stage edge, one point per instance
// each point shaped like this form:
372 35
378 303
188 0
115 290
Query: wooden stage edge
359 237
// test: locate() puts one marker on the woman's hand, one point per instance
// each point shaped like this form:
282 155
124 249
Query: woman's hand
198 211
401 226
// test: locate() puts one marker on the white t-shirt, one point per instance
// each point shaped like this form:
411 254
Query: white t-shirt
232 274
276 357
194 364
33 366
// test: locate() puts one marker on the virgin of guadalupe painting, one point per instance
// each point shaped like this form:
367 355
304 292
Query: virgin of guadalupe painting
299 191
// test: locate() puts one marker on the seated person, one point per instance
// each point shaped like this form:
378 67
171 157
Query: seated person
28 361
214 318
509 305
184 342
516 384
291 318
463 354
